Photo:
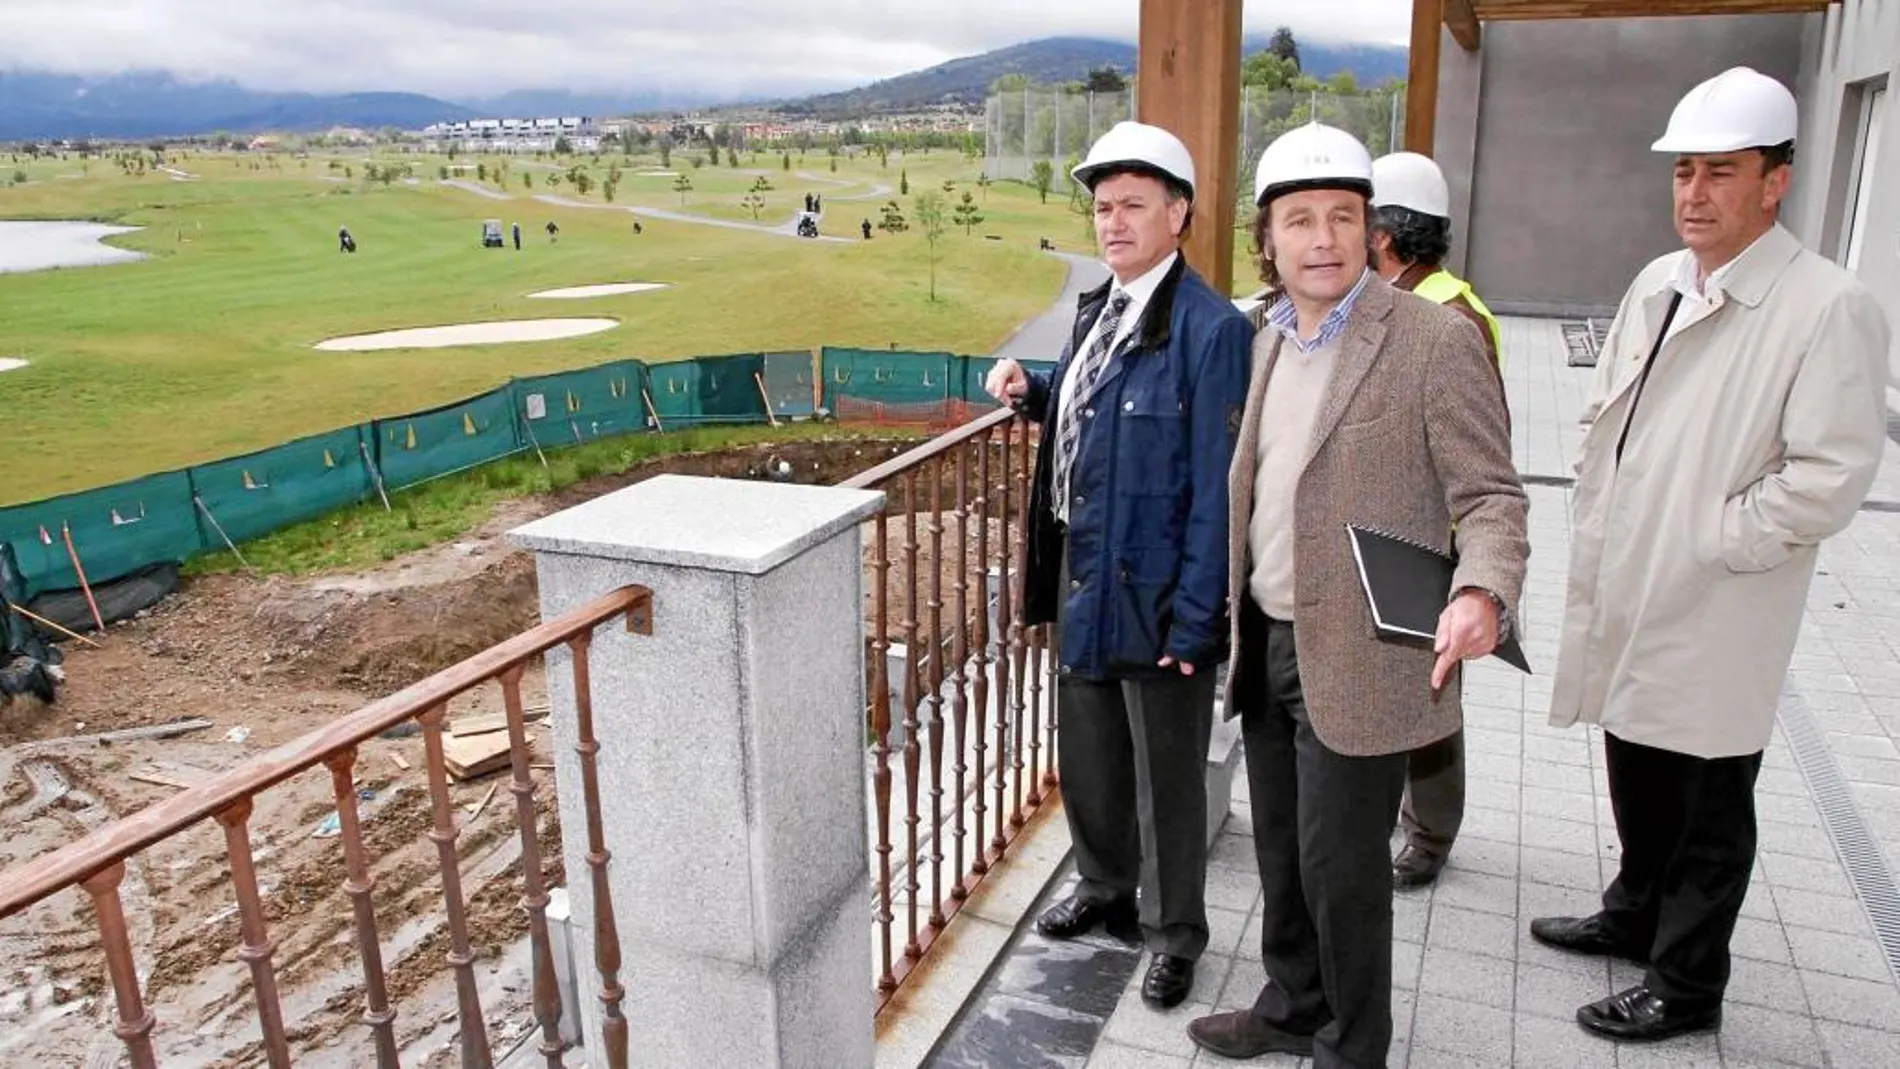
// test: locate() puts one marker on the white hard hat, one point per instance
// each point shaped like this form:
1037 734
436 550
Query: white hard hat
1314 156
1133 146
1411 181
1737 109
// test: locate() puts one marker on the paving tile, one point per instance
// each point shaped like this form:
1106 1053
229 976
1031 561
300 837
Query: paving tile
1755 1036
1232 888
1137 1024
1870 770
1494 824
1243 985
1407 959
1493 741
1795 840
1564 836
1580 872
1805 874
1455 974
1857 956
1432 1058
1110 1055
1858 745
1761 983
1551 1044
1567 749
1830 913
1410 914
1077 976
1249 947
1476 891
1462 1028
1234 852
1225 930
1870 1003
1564 805
1478 933
1009 1031
1556 992
1852 1045
1486 856
1684 1052
1760 940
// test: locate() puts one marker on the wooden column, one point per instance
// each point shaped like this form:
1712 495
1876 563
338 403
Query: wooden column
1421 87
1188 83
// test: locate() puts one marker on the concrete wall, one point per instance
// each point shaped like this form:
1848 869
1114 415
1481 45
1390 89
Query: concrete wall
1544 134
1855 45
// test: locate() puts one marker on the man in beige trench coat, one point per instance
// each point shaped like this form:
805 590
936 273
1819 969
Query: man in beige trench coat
1737 420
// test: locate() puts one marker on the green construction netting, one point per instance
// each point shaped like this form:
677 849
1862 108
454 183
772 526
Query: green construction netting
423 445
116 530
571 407
788 383
710 389
890 376
252 495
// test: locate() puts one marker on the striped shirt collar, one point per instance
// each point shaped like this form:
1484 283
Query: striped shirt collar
1283 318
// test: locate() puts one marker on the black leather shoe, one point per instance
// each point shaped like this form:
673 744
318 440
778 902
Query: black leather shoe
1414 868
1638 1016
1168 981
1072 917
1240 1034
1588 935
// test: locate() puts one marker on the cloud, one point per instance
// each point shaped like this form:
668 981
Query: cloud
479 48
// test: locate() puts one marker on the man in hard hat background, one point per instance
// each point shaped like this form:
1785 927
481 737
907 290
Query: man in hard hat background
1737 420
1373 407
1411 234
1127 552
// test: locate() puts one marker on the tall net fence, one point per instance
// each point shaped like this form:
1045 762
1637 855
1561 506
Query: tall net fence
1029 126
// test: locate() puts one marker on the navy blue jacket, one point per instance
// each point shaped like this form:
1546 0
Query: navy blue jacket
1147 526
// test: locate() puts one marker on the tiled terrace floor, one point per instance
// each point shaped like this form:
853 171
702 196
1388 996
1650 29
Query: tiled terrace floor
1812 985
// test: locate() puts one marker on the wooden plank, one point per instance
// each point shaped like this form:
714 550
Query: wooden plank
1421 88
1463 23
1188 83
154 776
399 760
483 723
474 756
475 808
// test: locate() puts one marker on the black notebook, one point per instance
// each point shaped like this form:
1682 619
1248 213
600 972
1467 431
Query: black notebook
1407 586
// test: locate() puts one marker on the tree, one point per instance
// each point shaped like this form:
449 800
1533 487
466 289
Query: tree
607 189
761 184
949 187
582 182
834 165
1043 177
930 219
903 181
683 185
983 183
753 203
1106 80
666 151
967 215
562 146
1284 46
481 172
1010 83
892 219
442 172
1265 70
785 162
527 180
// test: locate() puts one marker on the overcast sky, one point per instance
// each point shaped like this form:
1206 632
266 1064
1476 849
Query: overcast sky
479 48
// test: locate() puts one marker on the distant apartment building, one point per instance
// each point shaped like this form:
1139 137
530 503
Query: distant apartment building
513 135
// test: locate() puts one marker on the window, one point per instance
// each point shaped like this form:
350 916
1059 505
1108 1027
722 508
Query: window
1866 159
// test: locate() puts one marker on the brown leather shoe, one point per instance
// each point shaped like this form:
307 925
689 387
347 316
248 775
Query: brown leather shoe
1414 868
1240 1034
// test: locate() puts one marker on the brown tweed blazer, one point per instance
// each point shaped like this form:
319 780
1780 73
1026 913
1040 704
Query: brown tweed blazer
1411 437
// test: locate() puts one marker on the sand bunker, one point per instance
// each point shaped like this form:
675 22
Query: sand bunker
495 333
605 289
37 246
8 363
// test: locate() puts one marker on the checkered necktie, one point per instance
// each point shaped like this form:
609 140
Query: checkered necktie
1089 368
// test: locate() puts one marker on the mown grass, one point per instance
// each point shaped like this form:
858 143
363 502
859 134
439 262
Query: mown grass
448 508
205 350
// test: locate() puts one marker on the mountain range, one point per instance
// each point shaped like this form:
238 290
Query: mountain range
158 104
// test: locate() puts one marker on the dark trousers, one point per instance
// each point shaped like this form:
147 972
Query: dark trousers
1134 786
1687 825
1434 803
1322 821
1134 789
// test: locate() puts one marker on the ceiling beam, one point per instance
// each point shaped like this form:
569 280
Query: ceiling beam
1463 23
1521 10
1190 85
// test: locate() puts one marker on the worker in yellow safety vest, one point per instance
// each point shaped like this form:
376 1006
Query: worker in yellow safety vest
1410 228
1411 233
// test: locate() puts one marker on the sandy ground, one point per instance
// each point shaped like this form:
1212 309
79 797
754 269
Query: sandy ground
8 363
267 661
38 246
495 333
605 289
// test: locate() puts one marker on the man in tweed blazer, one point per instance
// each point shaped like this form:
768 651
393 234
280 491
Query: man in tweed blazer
1374 407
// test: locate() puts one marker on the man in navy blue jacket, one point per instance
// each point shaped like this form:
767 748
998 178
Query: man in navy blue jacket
1128 552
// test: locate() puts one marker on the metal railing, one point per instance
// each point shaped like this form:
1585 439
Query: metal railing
97 863
978 673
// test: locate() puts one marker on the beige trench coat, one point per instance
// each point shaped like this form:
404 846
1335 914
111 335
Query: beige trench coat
1758 435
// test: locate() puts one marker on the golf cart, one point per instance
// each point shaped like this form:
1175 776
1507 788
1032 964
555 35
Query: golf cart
491 234
807 225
